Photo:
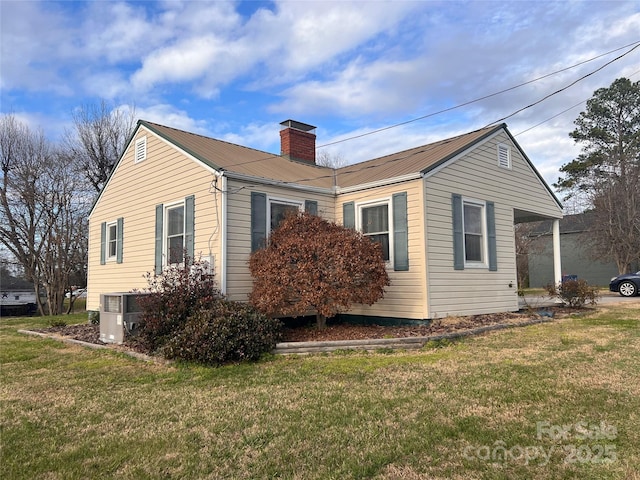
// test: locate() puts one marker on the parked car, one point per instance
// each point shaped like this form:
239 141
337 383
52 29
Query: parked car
79 293
627 284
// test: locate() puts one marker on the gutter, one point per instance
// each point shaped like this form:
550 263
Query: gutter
279 183
380 183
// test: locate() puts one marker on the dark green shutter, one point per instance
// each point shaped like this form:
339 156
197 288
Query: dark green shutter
491 236
158 257
120 226
349 215
458 233
189 223
103 243
258 220
400 232
311 206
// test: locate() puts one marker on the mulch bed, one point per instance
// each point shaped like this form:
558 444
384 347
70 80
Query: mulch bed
345 331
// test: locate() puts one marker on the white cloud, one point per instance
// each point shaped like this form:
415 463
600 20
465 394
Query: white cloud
261 136
29 37
173 117
295 38
349 67
179 63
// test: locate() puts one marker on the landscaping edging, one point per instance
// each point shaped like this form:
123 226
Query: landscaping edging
407 343
306 348
95 346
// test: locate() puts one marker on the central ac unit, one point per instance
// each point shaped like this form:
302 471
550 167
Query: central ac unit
119 315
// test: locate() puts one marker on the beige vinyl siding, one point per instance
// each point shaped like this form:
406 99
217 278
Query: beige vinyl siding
239 281
406 296
165 176
477 175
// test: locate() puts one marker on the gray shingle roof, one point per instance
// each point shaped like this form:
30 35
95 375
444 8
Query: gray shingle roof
222 155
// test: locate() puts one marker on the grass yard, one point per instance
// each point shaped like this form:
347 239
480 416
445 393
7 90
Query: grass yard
558 400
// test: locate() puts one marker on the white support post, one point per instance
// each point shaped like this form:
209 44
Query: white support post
557 264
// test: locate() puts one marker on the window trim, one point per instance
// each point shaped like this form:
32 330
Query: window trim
140 150
375 203
281 201
484 263
105 230
165 231
109 240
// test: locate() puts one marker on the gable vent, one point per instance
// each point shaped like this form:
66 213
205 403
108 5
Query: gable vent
504 156
141 149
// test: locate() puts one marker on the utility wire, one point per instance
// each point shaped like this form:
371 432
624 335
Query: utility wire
269 157
562 112
636 43
565 87
433 145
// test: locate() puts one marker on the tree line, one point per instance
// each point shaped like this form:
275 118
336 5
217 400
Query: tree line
46 192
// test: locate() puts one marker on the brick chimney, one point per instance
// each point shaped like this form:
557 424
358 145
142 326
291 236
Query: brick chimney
298 141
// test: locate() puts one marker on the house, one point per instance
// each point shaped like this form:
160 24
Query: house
576 258
444 214
17 296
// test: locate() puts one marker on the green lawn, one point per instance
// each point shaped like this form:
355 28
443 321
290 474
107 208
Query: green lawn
562 399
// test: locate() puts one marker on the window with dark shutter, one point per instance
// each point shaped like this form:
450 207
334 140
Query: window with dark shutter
474 234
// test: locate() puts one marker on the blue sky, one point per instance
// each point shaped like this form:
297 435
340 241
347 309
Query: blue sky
235 70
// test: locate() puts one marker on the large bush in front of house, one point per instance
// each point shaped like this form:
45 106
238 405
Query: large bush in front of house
312 264
185 316
173 296
225 332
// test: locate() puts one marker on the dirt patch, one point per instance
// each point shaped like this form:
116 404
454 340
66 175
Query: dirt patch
346 331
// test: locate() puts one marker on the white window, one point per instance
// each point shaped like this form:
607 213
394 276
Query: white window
112 241
474 221
174 234
374 222
140 149
278 210
504 156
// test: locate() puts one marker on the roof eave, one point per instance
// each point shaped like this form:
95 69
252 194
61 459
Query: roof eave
281 183
535 170
463 148
115 166
167 138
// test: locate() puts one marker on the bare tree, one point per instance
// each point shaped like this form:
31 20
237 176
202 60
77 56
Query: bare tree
325 159
527 242
616 212
98 138
607 172
41 220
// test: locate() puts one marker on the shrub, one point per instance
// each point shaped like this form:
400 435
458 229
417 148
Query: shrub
574 293
312 264
94 317
172 297
224 332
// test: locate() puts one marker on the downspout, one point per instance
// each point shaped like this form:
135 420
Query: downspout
223 233
425 232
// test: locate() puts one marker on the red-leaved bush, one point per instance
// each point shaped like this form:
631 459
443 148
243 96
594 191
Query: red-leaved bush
311 264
